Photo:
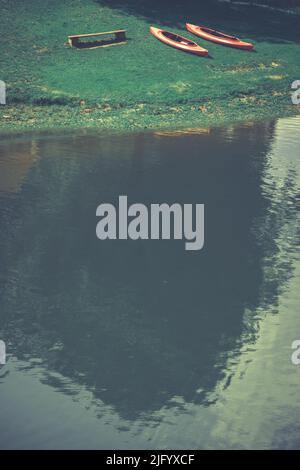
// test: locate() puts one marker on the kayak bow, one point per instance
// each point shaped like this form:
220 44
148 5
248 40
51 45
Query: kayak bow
218 37
179 42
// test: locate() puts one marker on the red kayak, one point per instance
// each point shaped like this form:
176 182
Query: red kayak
218 37
177 41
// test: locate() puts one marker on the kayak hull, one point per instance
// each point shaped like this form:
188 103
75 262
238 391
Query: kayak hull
218 37
179 42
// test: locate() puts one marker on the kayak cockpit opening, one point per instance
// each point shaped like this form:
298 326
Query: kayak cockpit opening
177 38
218 34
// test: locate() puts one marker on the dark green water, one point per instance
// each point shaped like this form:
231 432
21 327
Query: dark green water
140 344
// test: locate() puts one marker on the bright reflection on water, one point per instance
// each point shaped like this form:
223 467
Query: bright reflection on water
123 344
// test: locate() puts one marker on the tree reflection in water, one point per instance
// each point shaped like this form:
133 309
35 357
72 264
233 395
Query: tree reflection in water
139 323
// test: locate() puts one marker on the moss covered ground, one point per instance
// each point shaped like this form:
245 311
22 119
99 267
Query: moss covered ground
143 84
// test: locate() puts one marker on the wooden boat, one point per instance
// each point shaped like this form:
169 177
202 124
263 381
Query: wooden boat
78 40
218 37
179 42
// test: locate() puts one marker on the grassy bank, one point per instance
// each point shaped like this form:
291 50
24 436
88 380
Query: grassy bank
144 83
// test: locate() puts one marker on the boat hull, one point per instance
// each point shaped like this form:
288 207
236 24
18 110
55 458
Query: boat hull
218 37
179 42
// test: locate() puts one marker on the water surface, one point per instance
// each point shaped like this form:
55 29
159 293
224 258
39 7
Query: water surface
140 344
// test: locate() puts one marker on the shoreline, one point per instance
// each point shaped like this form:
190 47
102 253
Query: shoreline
141 117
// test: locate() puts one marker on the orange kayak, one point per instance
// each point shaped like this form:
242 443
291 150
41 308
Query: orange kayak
177 41
218 37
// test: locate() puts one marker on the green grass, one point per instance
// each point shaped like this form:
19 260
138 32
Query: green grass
144 76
